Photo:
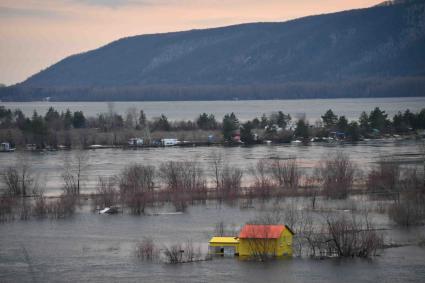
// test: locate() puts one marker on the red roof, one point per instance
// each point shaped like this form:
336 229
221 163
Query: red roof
261 231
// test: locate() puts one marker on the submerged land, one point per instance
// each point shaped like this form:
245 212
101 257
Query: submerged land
338 206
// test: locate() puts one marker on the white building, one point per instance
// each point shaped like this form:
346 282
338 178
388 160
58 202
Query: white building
5 147
169 142
135 141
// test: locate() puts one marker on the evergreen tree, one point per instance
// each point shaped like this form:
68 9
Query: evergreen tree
246 133
364 122
67 119
142 119
329 119
162 124
378 119
342 124
353 131
264 121
301 130
206 122
230 125
39 130
78 120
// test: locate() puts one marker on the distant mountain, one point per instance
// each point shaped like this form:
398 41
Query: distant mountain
367 52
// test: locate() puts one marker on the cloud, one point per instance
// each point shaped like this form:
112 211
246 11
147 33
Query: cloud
11 12
115 3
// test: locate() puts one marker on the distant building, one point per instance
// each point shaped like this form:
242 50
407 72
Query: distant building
135 142
169 142
5 147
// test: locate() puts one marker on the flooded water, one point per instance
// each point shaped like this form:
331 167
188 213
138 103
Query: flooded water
49 167
244 109
100 248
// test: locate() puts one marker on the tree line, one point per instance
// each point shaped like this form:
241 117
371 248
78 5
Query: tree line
55 128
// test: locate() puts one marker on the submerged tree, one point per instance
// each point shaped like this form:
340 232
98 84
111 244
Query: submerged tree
337 174
136 183
75 172
19 179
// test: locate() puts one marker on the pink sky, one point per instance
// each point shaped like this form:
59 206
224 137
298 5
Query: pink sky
37 33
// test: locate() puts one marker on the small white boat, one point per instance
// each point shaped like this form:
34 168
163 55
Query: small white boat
109 210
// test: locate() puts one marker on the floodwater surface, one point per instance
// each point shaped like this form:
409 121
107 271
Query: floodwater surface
100 248
48 167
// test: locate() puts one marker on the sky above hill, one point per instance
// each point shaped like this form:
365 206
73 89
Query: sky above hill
37 33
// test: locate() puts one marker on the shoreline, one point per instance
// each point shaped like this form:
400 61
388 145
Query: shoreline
395 138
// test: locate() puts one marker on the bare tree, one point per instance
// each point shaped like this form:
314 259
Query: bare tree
384 179
106 193
409 207
40 208
262 180
173 253
62 207
217 166
337 174
286 173
7 205
230 183
146 250
74 172
19 179
350 236
136 184
184 181
180 253
221 229
131 120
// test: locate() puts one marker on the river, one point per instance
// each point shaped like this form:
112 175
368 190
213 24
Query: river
244 109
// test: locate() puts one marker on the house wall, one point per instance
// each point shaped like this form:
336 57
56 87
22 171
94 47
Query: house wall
236 246
284 246
248 247
279 247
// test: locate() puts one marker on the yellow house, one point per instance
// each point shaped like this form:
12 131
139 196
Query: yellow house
265 240
224 246
255 240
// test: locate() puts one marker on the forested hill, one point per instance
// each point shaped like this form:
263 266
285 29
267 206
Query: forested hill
377 51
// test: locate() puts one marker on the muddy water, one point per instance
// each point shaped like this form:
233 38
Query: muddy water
49 167
99 248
